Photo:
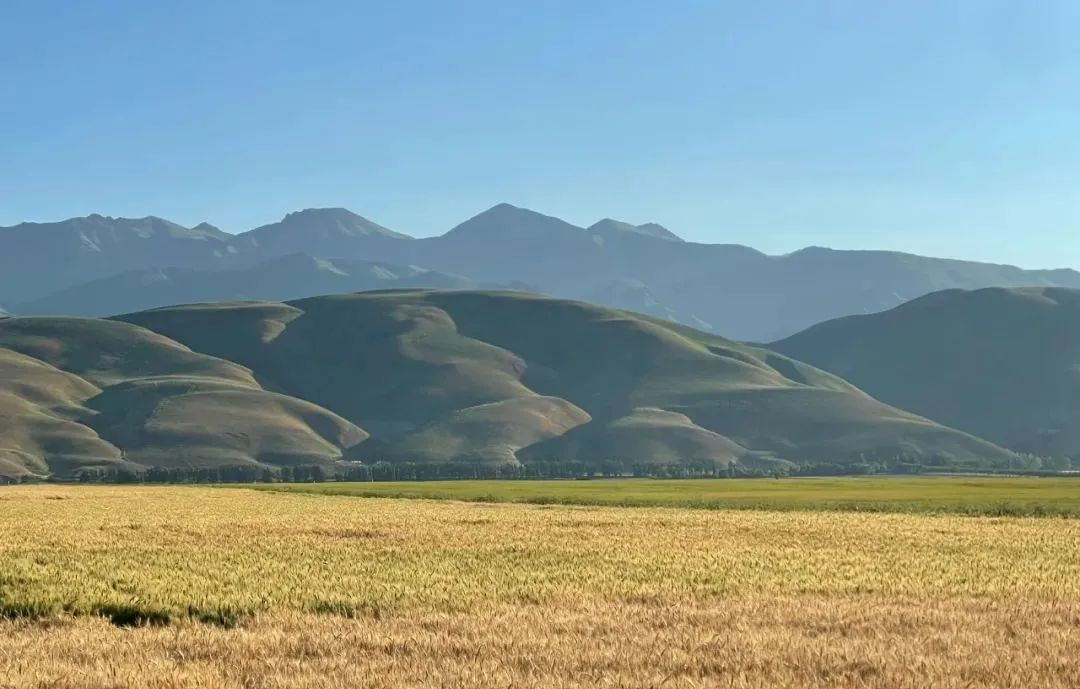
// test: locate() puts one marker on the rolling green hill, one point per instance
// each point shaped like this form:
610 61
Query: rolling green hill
503 378
434 379
1003 364
83 394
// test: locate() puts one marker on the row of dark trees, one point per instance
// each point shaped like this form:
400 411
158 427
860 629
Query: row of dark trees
398 471
542 469
553 468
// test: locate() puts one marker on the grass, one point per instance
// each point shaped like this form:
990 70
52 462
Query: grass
461 366
195 587
987 496
85 393
429 377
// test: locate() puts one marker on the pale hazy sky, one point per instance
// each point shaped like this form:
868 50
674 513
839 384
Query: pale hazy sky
944 128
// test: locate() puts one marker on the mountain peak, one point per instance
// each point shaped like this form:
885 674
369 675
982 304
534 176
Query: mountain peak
508 210
205 229
651 229
324 214
504 218
326 222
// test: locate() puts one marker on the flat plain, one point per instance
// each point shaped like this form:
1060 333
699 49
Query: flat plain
977 495
228 587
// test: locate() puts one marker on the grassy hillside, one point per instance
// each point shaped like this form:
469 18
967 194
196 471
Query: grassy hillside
1003 364
446 379
84 394
500 377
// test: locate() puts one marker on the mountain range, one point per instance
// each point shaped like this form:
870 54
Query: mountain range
722 288
431 378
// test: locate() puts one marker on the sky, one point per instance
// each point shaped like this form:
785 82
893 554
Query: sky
941 128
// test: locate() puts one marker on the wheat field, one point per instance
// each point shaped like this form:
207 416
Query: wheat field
204 587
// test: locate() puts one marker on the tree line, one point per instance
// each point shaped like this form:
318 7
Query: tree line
396 471
552 469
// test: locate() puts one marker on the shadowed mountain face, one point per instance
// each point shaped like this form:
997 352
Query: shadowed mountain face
607 226
1000 363
322 232
294 276
37 258
730 289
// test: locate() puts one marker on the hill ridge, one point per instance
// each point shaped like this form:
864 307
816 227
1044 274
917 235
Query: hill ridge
997 362
435 380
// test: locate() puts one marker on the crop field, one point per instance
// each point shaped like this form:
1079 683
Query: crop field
991 496
227 587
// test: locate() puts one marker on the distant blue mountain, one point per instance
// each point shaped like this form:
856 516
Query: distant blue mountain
726 288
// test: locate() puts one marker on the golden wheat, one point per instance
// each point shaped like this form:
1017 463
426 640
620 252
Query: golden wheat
337 591
780 642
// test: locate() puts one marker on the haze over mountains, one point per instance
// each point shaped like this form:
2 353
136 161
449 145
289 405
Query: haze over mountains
432 378
289 277
728 289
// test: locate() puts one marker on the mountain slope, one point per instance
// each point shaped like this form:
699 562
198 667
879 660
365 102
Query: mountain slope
38 258
731 289
1000 363
323 232
289 277
609 226
498 377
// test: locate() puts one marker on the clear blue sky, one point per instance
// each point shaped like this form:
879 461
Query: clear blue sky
945 128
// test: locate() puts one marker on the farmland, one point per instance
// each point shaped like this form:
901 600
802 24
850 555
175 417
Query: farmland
988 496
227 587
